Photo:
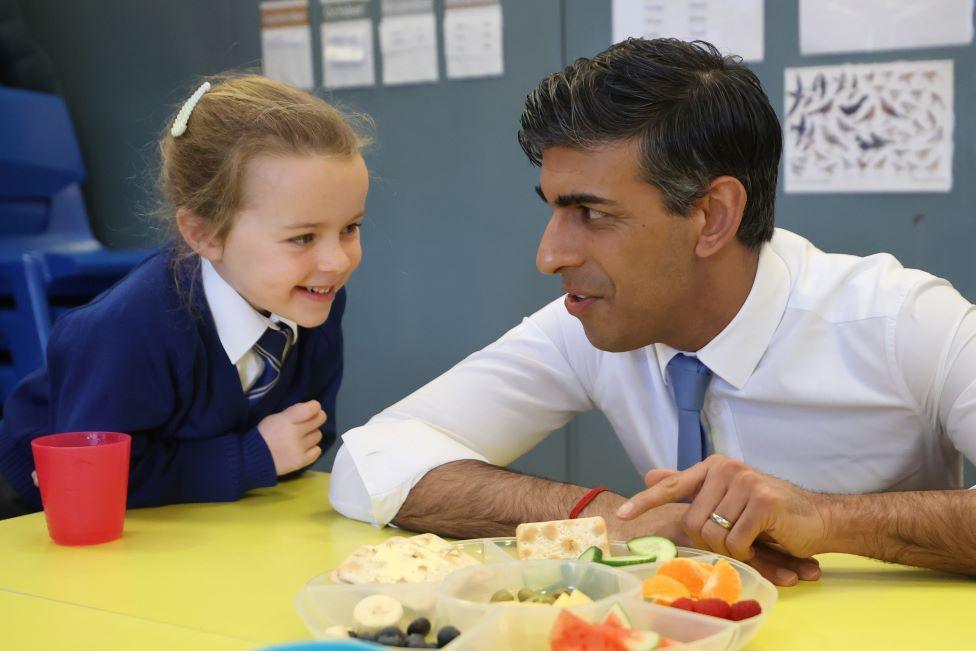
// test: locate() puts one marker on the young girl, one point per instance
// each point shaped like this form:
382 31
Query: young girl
221 356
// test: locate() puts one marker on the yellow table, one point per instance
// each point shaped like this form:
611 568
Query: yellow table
225 576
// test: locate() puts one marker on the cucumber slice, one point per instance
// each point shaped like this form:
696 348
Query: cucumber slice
592 554
620 561
662 549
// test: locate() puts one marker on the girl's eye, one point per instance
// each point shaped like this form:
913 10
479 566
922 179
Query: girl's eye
302 239
351 229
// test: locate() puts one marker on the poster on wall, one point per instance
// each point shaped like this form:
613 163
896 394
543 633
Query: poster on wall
286 43
878 127
733 26
408 40
347 44
869 25
473 38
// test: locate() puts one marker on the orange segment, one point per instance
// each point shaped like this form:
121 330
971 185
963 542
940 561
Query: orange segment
689 573
663 589
724 583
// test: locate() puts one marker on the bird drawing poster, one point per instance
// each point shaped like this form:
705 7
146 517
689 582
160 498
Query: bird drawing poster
879 127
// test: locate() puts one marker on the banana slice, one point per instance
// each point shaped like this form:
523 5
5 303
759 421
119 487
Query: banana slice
337 632
376 612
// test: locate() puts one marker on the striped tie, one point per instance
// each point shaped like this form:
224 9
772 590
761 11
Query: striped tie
271 349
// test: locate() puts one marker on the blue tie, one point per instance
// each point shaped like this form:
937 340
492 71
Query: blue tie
690 379
271 349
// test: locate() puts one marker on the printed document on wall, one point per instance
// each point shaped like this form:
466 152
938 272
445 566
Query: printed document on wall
347 44
408 39
868 25
286 43
879 127
733 26
473 38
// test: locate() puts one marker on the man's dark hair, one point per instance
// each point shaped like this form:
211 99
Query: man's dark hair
696 115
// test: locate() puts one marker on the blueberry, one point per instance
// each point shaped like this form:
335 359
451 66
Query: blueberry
353 634
446 635
391 636
367 637
421 626
416 641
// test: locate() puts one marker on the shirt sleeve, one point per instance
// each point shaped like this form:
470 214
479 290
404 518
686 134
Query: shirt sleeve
935 353
494 406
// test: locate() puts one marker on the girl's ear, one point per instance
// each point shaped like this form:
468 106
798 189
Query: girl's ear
196 233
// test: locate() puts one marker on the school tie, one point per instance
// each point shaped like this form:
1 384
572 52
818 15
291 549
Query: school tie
271 349
689 378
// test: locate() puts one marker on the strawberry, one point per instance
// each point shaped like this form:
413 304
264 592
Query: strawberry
744 610
684 604
713 607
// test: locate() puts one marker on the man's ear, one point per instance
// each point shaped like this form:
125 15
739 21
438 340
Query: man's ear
196 233
722 206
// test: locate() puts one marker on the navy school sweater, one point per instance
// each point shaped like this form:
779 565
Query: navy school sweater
144 358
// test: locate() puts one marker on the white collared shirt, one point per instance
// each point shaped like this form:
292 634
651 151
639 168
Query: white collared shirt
239 326
840 374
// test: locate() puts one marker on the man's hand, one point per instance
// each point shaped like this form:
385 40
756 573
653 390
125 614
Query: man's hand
775 525
668 520
293 436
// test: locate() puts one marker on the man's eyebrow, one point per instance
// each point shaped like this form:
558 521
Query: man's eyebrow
575 199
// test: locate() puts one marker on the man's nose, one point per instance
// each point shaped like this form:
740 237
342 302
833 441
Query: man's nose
560 245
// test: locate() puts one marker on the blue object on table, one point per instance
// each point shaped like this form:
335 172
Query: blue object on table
49 259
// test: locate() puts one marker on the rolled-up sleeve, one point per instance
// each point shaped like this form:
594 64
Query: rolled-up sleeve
494 406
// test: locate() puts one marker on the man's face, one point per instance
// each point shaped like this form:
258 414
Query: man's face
627 264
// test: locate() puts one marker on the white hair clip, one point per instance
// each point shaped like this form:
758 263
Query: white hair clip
179 124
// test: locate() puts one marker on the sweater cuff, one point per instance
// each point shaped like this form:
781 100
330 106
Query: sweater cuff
257 466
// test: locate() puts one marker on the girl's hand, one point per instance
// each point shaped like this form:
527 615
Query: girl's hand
293 436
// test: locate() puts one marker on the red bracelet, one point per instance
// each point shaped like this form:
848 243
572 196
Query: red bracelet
585 501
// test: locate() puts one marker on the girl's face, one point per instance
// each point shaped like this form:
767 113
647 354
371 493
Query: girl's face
295 241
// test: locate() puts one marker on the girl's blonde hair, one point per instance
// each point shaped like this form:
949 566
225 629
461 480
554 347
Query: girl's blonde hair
239 118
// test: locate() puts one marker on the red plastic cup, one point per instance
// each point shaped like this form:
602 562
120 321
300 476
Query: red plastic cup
83 478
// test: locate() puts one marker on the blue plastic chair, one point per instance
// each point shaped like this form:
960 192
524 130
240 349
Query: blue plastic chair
49 259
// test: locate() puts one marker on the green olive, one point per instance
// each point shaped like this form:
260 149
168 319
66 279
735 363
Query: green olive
502 595
526 594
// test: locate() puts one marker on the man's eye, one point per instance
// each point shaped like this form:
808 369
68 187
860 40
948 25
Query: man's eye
590 214
302 239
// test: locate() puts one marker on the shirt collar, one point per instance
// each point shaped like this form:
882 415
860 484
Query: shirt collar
735 352
239 326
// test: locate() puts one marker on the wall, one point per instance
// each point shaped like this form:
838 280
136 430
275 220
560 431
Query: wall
453 221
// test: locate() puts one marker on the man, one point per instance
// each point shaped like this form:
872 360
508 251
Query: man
715 344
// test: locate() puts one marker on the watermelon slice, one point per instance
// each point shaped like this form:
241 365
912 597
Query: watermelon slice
571 633
617 617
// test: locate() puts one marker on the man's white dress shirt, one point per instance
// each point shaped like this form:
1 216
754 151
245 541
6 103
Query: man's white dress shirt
239 326
839 374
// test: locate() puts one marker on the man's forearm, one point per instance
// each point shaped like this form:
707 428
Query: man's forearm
933 529
472 499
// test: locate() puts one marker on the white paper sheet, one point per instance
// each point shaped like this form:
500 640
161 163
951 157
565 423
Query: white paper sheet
733 26
473 41
347 54
409 44
286 44
868 25
884 127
